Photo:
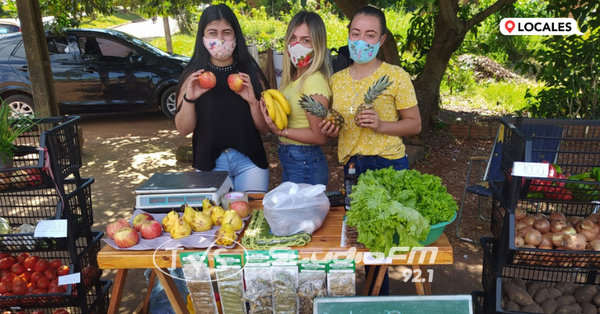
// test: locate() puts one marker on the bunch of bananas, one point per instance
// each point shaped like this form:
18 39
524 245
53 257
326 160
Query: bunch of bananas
277 106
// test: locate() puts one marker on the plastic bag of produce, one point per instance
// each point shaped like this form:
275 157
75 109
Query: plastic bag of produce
294 208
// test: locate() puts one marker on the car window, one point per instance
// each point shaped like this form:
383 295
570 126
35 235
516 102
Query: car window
20 51
5 29
57 45
111 48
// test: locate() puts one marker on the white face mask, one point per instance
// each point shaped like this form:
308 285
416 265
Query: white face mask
300 55
219 49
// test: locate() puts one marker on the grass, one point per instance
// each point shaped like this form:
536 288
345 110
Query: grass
182 44
103 21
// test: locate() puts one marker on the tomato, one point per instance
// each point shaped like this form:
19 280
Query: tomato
31 287
26 275
50 273
9 277
21 312
30 262
38 312
39 291
3 255
21 257
55 264
18 268
43 283
62 270
18 280
3 272
5 287
53 283
57 289
8 294
19 289
60 311
41 265
6 262
36 276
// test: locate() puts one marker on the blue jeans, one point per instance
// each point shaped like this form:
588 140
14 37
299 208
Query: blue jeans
303 164
244 174
362 164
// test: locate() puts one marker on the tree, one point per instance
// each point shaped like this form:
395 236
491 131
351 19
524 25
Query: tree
450 25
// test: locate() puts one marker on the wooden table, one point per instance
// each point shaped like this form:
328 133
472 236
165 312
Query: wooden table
326 240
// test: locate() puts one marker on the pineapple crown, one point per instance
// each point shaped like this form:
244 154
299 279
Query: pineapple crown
377 88
312 106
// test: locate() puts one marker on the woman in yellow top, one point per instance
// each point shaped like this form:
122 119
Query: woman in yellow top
376 142
305 71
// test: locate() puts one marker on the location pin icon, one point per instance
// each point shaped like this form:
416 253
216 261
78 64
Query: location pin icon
509 25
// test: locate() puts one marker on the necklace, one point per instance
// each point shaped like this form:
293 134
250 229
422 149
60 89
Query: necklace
223 69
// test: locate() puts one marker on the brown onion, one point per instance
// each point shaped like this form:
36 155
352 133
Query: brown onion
529 246
533 237
557 217
519 242
521 232
542 225
520 225
569 231
520 213
590 235
545 247
557 238
557 226
546 239
529 220
594 245
575 242
573 220
594 217
540 216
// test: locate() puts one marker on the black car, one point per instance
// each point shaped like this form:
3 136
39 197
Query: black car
95 71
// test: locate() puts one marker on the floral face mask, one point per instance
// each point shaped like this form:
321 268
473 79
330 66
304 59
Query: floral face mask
219 49
300 55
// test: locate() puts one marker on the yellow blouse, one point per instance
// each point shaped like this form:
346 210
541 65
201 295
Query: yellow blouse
348 94
314 84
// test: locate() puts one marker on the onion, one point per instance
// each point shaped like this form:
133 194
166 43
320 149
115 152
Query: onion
557 226
573 220
520 213
542 225
588 224
557 238
546 239
520 225
529 246
521 232
529 220
557 216
594 217
545 247
570 231
594 245
575 242
519 242
533 237
589 234
539 216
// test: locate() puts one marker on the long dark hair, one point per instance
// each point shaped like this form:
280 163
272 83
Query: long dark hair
370 10
245 61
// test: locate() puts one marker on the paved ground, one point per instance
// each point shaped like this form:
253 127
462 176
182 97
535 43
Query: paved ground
122 151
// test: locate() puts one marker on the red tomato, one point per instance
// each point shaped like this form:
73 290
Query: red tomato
5 287
53 283
31 287
19 289
18 268
18 280
50 273
36 276
8 294
26 275
3 272
41 265
21 312
55 264
6 262
62 270
60 311
39 291
21 257
31 261
9 277
3 255
43 283
57 289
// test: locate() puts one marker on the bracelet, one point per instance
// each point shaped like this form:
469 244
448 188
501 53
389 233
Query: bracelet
187 100
286 133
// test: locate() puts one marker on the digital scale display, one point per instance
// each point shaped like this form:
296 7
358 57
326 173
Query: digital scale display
174 200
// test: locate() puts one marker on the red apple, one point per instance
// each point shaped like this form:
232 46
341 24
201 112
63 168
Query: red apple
126 237
151 229
207 80
242 208
111 228
139 220
235 82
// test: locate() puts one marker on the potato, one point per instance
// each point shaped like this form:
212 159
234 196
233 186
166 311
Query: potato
568 309
588 308
541 295
554 293
518 295
549 306
585 293
597 299
532 308
519 282
566 287
512 306
565 300
533 287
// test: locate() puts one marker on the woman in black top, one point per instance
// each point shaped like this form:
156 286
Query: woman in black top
226 123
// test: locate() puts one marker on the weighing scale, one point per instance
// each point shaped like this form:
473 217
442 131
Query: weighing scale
163 192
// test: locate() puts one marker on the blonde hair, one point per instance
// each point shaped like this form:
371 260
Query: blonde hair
318 36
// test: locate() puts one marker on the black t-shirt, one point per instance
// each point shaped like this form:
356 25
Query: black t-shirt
224 121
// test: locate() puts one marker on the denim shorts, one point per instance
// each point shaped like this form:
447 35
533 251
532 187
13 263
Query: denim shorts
243 173
364 163
303 164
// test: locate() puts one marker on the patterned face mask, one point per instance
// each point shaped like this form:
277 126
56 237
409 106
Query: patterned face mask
219 49
361 51
300 55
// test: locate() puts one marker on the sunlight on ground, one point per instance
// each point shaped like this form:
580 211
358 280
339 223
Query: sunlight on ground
153 160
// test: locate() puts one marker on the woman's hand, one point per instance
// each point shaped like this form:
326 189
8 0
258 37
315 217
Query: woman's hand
268 120
369 119
247 91
193 90
329 129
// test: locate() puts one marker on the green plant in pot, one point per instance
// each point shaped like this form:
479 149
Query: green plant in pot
11 127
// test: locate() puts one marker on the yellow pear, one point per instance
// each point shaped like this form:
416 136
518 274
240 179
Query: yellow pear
180 229
206 206
226 235
169 221
188 213
216 215
231 217
201 222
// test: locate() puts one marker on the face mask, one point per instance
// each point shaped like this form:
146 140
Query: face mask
219 49
300 55
361 51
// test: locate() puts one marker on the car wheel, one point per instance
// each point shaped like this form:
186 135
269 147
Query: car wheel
168 102
21 104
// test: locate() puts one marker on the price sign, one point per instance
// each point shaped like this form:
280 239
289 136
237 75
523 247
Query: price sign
51 229
530 169
69 279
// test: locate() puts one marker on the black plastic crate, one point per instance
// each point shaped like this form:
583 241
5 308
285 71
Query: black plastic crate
49 152
573 145
548 276
31 205
96 301
85 262
478 301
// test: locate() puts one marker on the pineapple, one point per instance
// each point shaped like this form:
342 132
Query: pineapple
318 110
375 90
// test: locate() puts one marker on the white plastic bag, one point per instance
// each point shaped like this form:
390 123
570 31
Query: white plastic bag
294 208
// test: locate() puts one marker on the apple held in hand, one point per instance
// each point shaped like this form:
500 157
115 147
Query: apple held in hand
111 228
235 82
126 237
151 229
139 220
207 80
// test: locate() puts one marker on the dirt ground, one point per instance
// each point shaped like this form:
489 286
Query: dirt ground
122 151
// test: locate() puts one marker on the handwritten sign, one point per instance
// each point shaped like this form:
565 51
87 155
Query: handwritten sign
531 169
51 229
69 279
426 304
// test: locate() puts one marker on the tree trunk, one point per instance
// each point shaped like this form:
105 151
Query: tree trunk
168 34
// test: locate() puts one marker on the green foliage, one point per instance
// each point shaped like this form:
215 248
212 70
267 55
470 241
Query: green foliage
419 38
11 127
105 21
